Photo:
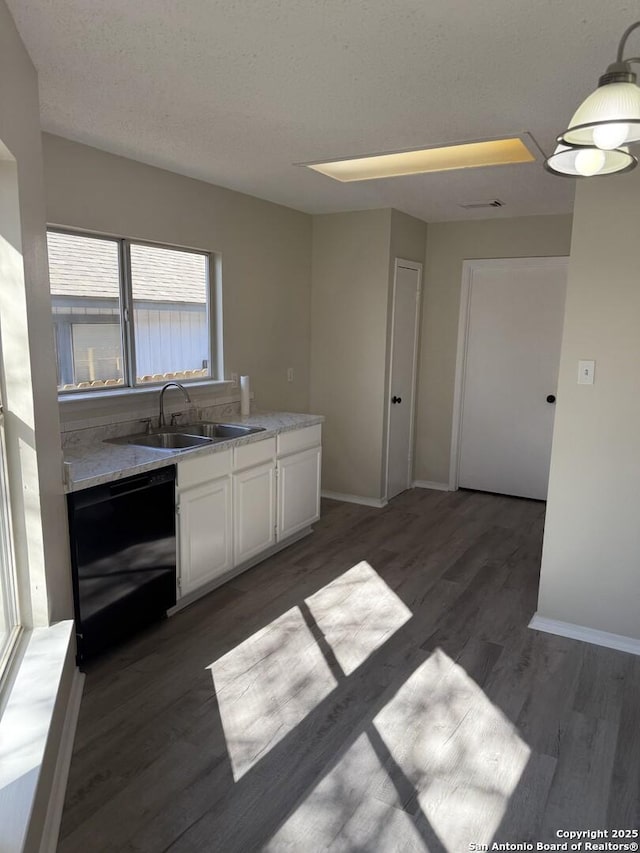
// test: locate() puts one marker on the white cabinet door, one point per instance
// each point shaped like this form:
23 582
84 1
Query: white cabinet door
254 516
205 538
298 491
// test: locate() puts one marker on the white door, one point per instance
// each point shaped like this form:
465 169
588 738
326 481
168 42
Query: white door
514 310
254 511
205 536
402 375
298 491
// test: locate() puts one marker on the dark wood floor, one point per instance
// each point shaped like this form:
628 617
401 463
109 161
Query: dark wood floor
373 688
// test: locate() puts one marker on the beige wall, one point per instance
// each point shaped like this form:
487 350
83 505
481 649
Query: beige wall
449 244
265 251
591 558
408 238
352 275
350 282
32 425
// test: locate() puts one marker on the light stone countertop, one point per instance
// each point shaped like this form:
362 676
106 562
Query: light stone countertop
92 462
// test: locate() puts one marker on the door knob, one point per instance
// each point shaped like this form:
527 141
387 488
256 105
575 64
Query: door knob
395 399
551 398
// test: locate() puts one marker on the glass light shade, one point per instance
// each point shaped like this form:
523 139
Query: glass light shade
587 162
608 118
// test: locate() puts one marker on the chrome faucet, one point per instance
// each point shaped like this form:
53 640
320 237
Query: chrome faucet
187 399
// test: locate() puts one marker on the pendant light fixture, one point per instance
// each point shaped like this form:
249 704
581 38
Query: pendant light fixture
586 161
604 124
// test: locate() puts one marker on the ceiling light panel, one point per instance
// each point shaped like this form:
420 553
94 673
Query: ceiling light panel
468 155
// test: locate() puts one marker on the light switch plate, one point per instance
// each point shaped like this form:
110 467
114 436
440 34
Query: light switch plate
586 372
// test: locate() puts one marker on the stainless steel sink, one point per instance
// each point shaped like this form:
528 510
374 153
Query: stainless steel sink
221 432
184 437
164 440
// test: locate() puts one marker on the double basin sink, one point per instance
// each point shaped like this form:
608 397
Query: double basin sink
187 436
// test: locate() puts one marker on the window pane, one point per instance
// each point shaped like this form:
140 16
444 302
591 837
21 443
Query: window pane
96 350
85 296
171 325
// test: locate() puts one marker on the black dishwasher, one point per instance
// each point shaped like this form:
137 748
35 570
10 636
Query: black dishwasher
123 552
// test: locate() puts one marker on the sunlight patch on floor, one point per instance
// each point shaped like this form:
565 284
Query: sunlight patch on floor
340 814
267 685
455 748
357 613
272 680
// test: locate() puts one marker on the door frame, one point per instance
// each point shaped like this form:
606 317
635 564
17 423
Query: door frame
468 269
418 267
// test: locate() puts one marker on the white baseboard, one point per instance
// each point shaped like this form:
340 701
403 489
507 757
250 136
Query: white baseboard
431 484
587 635
355 499
51 828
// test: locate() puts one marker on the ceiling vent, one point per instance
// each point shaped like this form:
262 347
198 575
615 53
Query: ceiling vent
477 205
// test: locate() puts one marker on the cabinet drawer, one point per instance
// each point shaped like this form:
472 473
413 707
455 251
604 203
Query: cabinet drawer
299 439
255 453
191 472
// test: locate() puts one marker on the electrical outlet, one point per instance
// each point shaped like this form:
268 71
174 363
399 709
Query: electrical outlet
290 374
234 380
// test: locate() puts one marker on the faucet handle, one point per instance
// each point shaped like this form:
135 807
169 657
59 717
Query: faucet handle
175 417
147 423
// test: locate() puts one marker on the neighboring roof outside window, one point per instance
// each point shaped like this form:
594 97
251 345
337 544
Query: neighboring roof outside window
84 266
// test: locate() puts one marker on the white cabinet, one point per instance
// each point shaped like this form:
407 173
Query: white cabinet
254 511
205 533
298 491
236 504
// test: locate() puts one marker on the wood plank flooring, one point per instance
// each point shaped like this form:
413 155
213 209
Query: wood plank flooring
372 688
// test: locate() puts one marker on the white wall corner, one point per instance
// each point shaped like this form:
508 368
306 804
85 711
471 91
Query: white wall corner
431 484
377 503
587 635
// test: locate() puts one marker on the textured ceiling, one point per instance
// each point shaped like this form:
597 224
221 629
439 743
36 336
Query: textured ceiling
237 91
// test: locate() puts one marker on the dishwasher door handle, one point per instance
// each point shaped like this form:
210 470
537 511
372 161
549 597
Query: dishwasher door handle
132 484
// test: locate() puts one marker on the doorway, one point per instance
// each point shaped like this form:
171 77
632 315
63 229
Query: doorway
403 349
509 339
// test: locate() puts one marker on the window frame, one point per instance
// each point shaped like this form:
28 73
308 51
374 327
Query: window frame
127 317
8 570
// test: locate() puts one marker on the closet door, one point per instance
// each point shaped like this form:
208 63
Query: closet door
515 312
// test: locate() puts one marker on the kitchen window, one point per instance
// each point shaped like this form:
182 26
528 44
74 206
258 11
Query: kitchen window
129 314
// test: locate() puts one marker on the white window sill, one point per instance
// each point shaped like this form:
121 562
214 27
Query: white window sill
76 397
25 725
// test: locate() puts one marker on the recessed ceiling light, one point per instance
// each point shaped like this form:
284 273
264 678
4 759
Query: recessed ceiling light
466 155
